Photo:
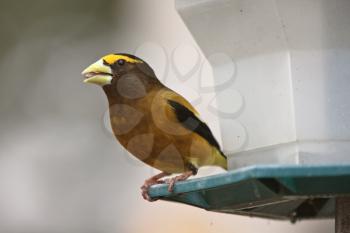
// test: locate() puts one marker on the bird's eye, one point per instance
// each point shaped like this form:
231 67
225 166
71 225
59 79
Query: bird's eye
121 62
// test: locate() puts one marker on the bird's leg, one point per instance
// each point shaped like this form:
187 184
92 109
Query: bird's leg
183 176
151 181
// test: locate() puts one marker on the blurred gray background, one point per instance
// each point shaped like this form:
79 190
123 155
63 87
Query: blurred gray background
61 171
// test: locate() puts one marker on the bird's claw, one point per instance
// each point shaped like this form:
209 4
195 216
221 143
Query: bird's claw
173 180
157 180
145 187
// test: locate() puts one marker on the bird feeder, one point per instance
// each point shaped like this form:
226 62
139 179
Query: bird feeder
288 134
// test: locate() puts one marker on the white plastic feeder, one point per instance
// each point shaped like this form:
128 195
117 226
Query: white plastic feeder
292 76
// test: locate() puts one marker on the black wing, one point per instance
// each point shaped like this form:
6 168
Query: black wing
191 122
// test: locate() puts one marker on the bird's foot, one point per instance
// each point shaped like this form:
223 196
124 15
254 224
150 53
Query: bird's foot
149 182
173 180
144 188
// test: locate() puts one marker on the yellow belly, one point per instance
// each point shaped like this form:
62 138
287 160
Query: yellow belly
163 151
148 128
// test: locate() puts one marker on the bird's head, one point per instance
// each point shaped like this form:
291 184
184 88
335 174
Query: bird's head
113 66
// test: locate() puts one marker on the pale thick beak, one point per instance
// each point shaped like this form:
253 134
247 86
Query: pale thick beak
98 73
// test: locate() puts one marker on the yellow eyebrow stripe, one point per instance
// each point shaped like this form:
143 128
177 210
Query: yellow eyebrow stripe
112 58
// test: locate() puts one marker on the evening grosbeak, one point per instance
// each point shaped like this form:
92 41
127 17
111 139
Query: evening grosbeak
152 122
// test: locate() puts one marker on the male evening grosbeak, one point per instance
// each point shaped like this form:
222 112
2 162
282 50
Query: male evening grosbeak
154 123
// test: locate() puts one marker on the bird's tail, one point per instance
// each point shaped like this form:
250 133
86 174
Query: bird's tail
220 159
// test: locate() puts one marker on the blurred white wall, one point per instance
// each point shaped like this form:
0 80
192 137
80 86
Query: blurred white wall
61 171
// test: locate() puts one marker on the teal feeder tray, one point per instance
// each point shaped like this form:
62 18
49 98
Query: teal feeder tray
286 192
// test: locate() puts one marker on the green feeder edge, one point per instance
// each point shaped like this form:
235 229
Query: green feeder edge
291 192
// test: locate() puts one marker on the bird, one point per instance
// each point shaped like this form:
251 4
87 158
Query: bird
152 122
